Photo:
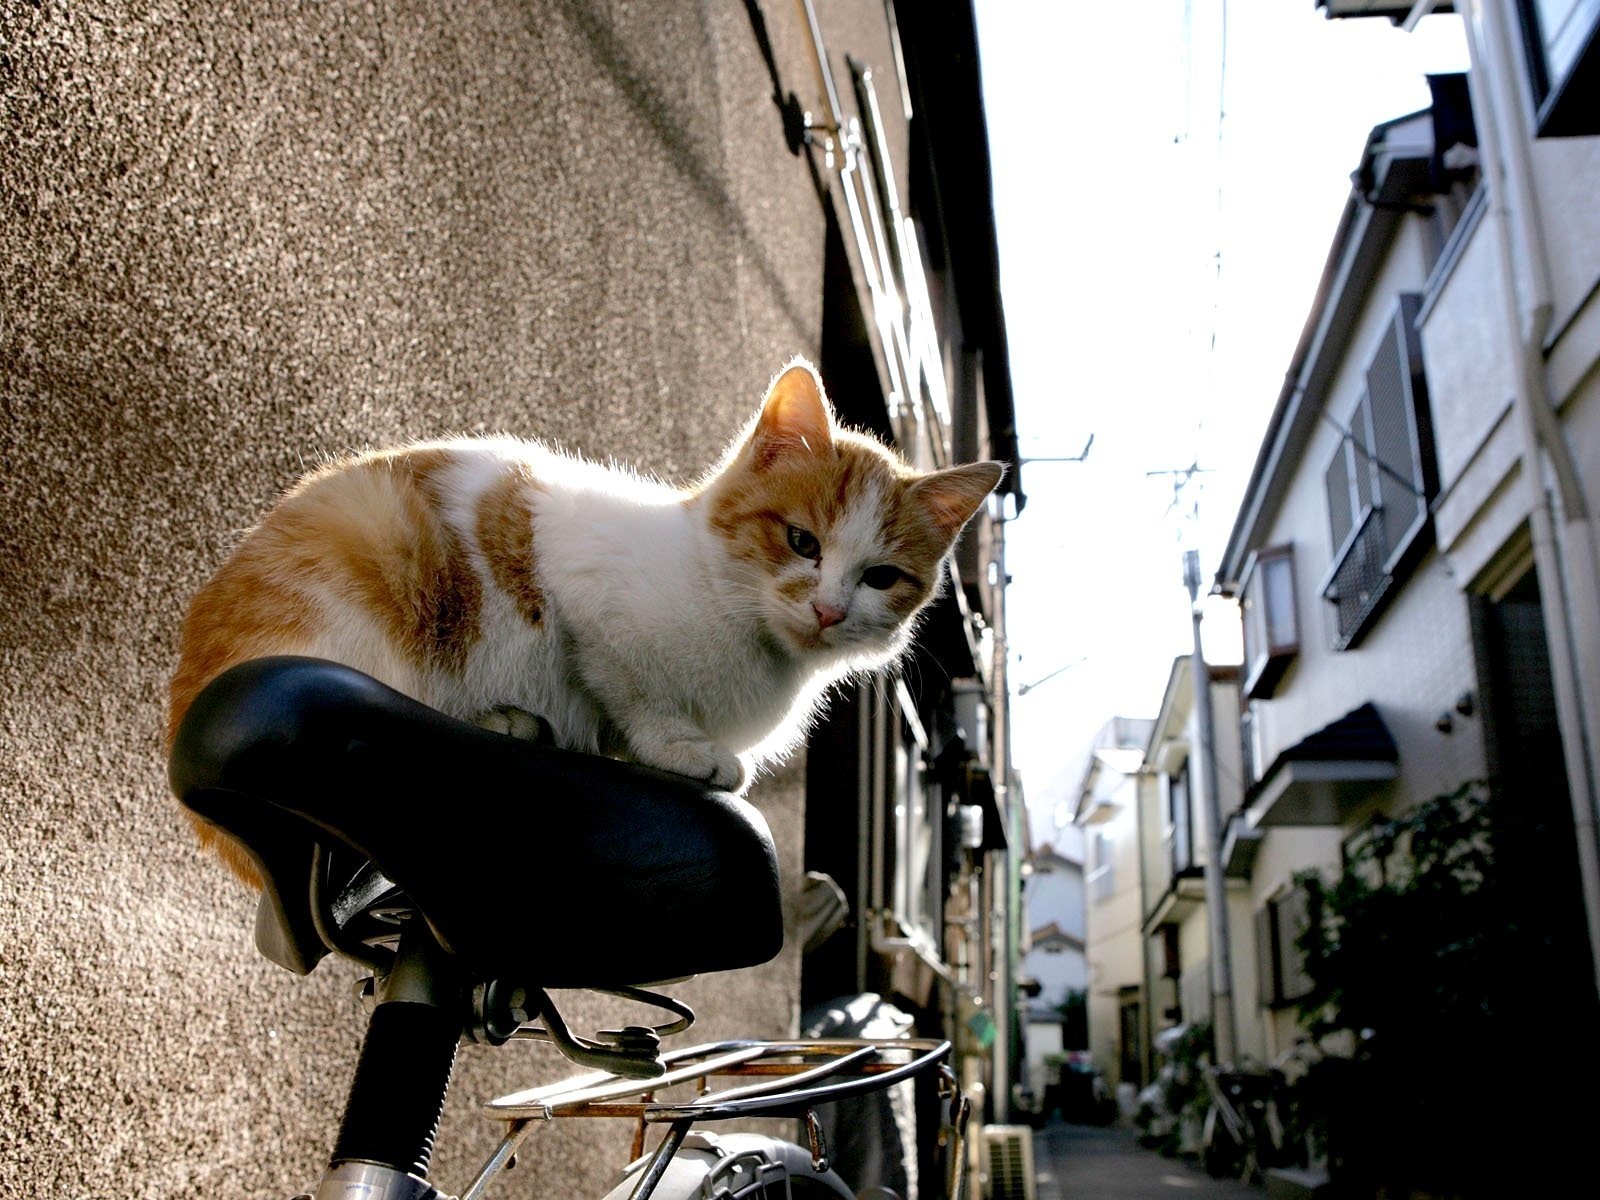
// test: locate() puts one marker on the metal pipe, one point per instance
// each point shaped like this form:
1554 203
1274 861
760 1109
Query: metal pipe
499 1160
662 1159
819 59
1222 1022
864 831
1000 719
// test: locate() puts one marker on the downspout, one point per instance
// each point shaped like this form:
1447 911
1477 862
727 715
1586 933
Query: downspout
1224 1029
1143 777
1002 1002
1559 513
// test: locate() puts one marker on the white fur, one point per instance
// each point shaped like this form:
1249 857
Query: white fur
655 642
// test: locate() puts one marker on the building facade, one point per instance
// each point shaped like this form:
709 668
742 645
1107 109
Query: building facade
1176 854
1108 810
1414 556
1054 967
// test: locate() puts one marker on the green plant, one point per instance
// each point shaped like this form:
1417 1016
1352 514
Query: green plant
1436 947
1184 1052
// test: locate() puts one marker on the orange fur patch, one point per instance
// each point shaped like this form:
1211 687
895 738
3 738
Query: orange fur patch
241 614
367 532
753 503
505 535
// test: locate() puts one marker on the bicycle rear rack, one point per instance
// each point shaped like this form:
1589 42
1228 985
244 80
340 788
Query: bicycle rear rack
791 1079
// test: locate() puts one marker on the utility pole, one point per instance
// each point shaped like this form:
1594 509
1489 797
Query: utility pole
1216 889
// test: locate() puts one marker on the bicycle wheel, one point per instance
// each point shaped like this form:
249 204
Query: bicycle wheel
737 1166
1220 1152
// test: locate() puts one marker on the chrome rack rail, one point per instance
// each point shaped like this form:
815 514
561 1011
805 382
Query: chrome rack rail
791 1079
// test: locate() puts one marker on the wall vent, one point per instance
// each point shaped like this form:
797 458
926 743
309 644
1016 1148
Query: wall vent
1008 1171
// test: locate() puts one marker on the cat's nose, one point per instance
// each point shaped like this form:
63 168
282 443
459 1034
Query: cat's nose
827 614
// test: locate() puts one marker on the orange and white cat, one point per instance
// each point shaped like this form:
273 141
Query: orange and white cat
694 629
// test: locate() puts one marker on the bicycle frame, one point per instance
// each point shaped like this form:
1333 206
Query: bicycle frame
385 1138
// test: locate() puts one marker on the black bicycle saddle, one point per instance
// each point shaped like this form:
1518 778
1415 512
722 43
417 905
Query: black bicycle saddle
530 864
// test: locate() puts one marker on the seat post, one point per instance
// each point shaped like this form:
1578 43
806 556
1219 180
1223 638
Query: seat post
386 1137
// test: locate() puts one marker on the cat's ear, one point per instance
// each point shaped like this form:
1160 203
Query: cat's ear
951 496
795 417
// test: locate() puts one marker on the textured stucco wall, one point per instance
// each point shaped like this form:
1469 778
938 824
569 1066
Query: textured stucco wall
236 238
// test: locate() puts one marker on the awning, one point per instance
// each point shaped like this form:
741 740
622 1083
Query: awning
1240 845
1186 894
1325 776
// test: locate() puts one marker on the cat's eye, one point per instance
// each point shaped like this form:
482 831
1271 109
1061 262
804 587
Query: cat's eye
882 577
804 543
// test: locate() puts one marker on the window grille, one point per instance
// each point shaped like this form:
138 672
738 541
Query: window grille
1380 480
1359 579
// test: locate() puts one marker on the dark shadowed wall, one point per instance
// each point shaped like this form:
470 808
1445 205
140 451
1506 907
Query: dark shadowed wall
235 238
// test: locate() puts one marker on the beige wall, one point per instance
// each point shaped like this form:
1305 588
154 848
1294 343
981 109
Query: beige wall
1114 945
1564 175
232 242
1417 657
1470 353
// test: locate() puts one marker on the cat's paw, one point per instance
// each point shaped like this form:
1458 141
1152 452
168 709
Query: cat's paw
698 759
517 723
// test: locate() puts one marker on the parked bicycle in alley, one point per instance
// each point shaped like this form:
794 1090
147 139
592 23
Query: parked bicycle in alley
1259 1117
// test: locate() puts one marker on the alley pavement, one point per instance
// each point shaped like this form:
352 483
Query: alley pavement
1090 1162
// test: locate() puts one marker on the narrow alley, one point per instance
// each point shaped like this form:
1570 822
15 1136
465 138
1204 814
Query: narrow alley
1089 1162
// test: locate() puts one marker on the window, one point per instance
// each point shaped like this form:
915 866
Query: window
1562 40
1271 628
1180 826
1101 878
1453 168
918 827
1280 967
1171 953
1379 481
1249 748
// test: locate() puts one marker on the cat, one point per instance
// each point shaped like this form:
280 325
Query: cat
503 582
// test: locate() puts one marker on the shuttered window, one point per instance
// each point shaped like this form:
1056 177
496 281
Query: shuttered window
1270 623
1282 977
1380 480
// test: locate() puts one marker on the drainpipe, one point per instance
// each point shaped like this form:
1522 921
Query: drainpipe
1003 1003
1558 509
1222 1023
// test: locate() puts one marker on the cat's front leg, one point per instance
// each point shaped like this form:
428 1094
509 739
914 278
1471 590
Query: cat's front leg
679 747
652 727
517 723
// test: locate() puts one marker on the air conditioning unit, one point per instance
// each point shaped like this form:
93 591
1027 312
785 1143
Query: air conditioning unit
1007 1163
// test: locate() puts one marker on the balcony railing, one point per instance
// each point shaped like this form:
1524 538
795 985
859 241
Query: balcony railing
1359 579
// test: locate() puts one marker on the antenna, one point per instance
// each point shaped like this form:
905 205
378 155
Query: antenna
1078 457
1181 478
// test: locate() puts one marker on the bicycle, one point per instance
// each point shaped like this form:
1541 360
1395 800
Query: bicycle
1258 1116
305 762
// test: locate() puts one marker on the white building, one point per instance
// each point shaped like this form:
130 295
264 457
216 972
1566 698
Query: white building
1415 554
1108 811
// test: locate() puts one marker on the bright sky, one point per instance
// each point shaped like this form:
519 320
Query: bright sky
1136 147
